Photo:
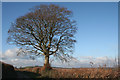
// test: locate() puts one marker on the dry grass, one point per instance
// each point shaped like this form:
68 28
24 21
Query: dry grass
74 72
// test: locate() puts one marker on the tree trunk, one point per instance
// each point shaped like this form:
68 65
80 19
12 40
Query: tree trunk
46 60
46 64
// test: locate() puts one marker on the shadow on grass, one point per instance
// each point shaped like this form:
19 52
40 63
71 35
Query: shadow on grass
26 74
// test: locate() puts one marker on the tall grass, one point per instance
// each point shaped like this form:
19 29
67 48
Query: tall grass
100 72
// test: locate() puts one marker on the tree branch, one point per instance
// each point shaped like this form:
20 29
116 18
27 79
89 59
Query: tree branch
52 52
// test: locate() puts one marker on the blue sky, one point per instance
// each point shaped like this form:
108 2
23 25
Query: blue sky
97 23
60 0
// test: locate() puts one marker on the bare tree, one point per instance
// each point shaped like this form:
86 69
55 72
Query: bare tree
46 30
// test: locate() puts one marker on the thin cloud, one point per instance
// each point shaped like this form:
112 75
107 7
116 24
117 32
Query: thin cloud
10 57
11 53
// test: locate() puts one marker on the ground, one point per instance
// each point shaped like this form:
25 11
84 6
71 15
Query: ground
31 73
36 72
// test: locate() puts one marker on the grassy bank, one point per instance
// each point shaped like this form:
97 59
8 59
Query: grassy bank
36 72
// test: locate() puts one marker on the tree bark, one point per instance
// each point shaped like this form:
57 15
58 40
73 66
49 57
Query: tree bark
46 64
46 59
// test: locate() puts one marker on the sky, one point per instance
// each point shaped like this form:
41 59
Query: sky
59 0
97 34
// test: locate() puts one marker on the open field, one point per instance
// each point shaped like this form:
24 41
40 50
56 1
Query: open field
36 72
33 73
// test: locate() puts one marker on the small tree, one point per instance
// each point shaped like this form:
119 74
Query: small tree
46 30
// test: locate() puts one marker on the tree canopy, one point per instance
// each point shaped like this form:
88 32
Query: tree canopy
45 30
